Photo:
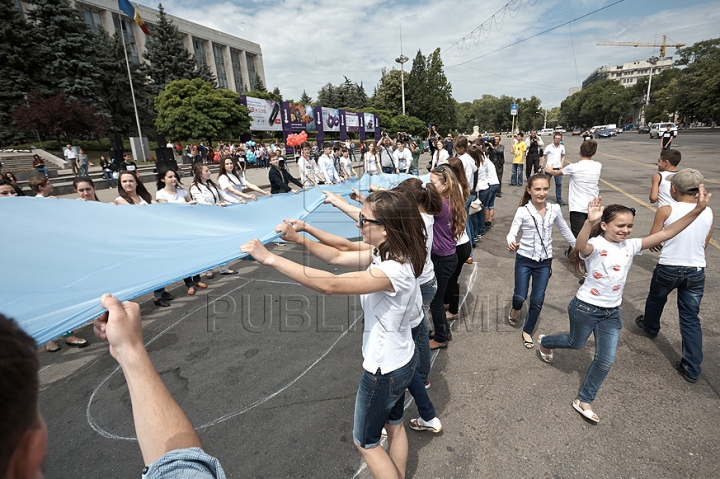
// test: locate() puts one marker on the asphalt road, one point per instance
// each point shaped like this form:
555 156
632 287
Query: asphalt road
271 391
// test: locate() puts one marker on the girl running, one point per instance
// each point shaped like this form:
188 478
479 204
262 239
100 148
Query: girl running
535 218
604 251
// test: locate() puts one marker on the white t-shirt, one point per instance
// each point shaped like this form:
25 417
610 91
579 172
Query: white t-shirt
440 157
607 267
402 158
469 166
178 197
688 247
428 270
327 168
387 336
346 165
553 156
231 181
371 163
664 197
120 198
492 177
584 177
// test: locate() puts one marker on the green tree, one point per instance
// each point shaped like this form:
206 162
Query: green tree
436 103
409 124
660 90
64 51
276 91
417 96
530 115
16 58
194 109
328 96
388 93
305 98
602 102
257 83
265 95
168 58
696 93
116 99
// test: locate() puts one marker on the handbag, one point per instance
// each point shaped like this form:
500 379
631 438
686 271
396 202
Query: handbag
475 207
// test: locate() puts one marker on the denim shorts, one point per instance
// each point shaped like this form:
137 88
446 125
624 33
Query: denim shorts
380 400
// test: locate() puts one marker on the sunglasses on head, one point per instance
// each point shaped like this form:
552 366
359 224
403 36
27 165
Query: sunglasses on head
362 220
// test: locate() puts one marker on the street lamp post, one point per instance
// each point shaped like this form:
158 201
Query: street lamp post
652 61
401 60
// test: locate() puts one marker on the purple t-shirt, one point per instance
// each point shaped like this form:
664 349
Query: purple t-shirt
443 241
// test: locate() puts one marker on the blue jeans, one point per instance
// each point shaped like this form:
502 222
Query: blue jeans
469 224
417 386
539 271
414 171
516 174
107 175
444 269
380 400
42 170
690 285
420 333
84 170
605 324
558 188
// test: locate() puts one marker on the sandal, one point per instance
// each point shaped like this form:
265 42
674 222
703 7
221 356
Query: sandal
529 344
548 358
191 290
586 413
511 320
52 347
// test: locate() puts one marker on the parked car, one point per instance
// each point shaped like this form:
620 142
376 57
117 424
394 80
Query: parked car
604 133
628 127
546 132
577 132
560 129
657 129
644 129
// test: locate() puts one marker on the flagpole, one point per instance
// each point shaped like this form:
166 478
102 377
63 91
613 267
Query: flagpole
132 90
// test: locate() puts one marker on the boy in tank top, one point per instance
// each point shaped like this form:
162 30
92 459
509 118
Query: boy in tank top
660 189
681 266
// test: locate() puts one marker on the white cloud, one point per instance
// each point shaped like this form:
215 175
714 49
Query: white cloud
307 44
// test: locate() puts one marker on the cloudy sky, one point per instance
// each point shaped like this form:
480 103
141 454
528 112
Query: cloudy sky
308 43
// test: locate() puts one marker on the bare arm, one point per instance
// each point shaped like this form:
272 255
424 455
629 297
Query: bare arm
673 229
161 426
655 188
328 253
595 212
661 215
360 282
339 202
343 244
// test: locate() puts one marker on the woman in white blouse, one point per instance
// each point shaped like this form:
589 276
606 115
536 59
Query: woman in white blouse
533 260
441 155
372 160
205 192
232 182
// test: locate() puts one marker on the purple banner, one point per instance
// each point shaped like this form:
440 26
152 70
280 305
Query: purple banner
343 125
319 125
377 127
361 125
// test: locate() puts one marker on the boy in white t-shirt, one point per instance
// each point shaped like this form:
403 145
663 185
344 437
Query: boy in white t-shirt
660 188
584 178
554 159
681 266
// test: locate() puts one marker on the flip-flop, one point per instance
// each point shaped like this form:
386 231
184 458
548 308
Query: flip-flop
548 358
586 413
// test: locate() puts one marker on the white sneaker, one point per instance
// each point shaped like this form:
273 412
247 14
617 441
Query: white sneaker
419 424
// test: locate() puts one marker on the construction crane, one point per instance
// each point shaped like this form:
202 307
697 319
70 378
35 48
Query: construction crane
663 46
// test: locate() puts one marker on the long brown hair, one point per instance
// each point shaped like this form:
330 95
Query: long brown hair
197 180
453 193
235 170
577 264
140 189
459 169
525 199
427 196
404 227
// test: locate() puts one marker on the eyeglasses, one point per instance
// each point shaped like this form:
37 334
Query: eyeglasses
362 220
441 170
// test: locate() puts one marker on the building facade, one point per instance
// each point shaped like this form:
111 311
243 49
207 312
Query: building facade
627 74
233 60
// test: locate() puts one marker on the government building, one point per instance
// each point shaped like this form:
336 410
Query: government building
234 61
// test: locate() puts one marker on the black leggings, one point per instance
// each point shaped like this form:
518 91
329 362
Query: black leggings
444 267
452 293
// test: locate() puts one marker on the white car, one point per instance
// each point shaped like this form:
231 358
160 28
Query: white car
657 129
546 132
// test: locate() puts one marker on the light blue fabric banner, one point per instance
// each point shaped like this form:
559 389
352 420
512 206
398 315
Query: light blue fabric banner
60 256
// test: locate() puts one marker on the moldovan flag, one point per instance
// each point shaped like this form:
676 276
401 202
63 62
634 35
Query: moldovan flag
127 8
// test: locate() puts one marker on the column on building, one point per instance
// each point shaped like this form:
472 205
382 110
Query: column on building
245 70
238 73
220 71
227 60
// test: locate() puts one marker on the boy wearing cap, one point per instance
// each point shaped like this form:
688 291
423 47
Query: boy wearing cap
681 266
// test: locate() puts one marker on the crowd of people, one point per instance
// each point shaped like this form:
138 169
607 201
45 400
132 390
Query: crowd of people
416 238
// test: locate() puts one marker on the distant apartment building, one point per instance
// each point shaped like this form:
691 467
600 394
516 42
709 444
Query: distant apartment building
233 60
627 74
